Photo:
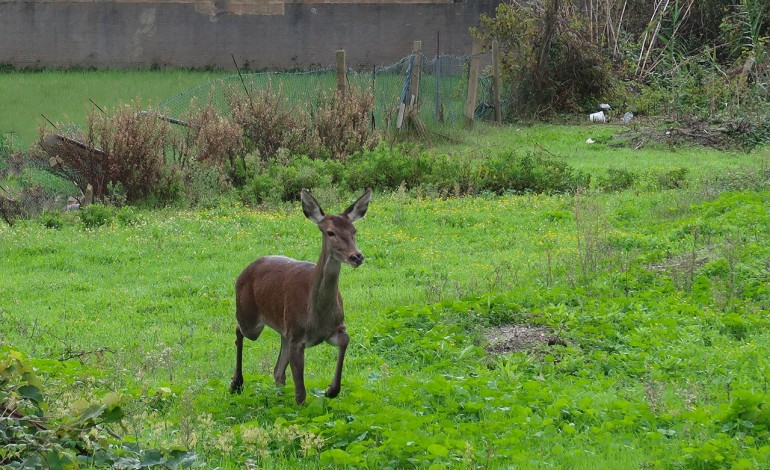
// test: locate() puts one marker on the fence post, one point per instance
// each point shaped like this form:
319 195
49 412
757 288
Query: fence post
437 72
341 72
496 82
414 85
473 81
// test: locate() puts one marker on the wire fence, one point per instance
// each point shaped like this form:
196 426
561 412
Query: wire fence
441 98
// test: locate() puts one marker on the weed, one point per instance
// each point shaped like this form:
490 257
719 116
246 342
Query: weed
96 215
51 219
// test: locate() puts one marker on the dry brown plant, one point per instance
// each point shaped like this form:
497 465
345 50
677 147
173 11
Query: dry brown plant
134 146
342 122
267 120
211 138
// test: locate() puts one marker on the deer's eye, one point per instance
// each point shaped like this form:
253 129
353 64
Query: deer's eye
330 233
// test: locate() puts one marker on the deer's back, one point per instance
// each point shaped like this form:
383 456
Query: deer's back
273 290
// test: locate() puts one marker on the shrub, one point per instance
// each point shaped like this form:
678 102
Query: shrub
5 153
210 138
571 76
135 145
389 168
748 134
656 179
283 180
616 180
509 172
386 167
342 123
268 122
52 219
127 216
673 179
96 215
126 147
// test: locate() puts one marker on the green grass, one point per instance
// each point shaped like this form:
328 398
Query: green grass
63 96
661 301
609 151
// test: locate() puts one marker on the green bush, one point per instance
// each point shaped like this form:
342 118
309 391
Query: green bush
673 179
129 216
386 168
657 179
616 180
96 215
52 219
509 172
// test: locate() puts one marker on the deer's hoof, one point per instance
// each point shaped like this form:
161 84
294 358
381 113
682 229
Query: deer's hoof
332 392
300 398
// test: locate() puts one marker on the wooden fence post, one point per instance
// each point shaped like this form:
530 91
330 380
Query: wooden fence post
414 83
437 73
496 82
473 81
341 73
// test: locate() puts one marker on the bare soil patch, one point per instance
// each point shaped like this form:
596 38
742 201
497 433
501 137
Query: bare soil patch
520 338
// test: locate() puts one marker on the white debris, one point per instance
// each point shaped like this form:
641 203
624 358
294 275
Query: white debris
597 117
590 140
604 107
627 117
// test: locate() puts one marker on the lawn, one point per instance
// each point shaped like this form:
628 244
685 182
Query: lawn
642 320
64 96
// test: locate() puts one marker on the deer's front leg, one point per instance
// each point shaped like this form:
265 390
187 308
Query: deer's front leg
297 364
341 340
283 360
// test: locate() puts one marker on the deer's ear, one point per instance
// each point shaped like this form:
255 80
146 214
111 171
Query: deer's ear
311 208
358 209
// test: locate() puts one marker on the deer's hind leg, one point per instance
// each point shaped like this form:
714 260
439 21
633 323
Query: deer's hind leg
236 384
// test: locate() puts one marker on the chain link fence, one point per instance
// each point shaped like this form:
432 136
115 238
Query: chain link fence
440 99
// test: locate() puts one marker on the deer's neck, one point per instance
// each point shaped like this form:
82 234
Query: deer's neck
326 279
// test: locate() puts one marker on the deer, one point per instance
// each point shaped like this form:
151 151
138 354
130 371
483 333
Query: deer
300 300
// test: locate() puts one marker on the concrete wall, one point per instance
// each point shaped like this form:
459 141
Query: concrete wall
262 34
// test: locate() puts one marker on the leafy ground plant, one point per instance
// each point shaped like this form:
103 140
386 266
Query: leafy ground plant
30 437
646 370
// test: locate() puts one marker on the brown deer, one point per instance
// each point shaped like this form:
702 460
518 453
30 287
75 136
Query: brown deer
298 299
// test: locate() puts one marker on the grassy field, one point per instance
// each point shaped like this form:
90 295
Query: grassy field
596 330
619 330
63 96
610 150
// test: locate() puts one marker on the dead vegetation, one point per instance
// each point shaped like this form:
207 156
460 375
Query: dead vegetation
743 135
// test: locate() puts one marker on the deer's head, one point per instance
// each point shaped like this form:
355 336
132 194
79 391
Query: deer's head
339 234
